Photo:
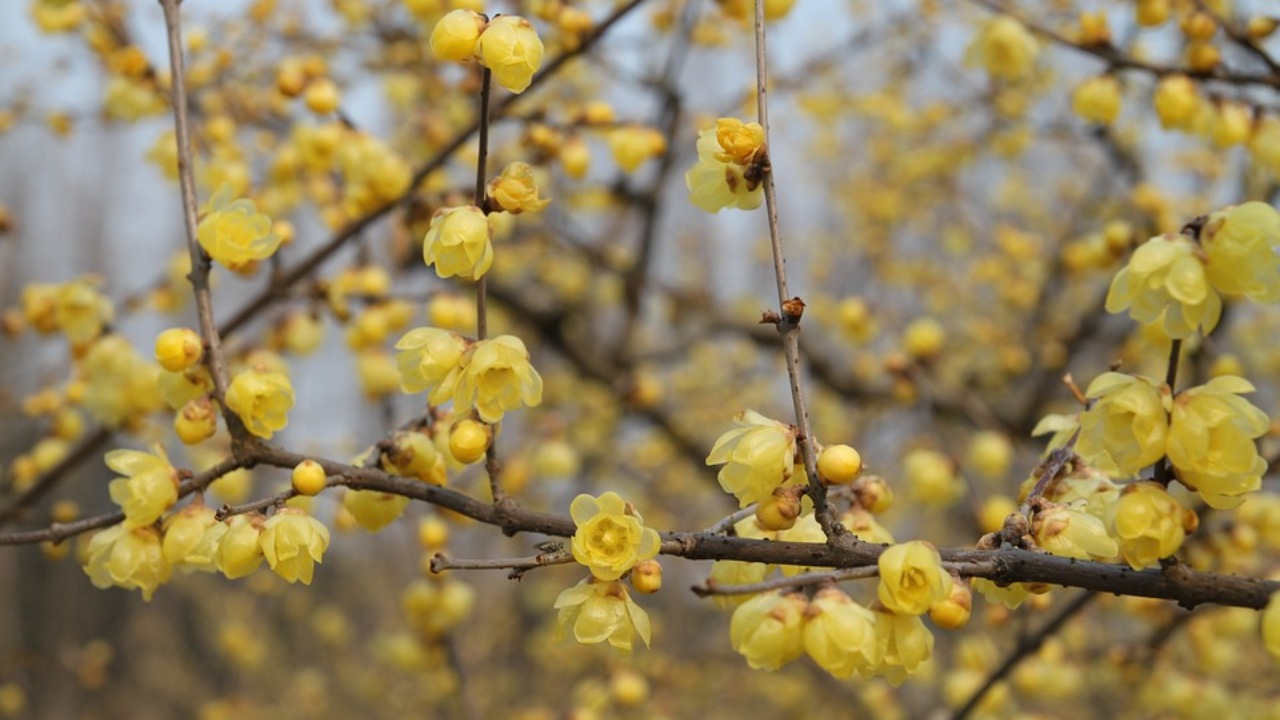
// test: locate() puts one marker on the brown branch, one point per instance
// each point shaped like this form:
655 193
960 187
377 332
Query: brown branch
441 562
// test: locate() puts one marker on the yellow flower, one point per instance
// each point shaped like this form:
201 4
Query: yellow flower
497 377
1166 280
758 456
600 611
510 47
459 242
1241 243
191 538
516 190
904 644
768 629
374 510
293 542
611 537
429 358
454 36
262 400
413 454
1004 48
1176 100
1211 440
240 549
912 578
81 311
234 233
840 635
734 572
1271 626
121 385
1011 596
725 154
1126 427
1097 100
633 144
150 485
180 388
839 464
931 478
127 558
1147 522
178 349
1070 531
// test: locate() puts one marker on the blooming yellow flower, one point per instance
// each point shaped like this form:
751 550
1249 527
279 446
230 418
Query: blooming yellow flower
240 549
611 537
262 400
720 177
191 538
516 190
1211 440
904 644
1004 48
1126 427
1241 243
150 485
510 47
600 611
429 358
80 310
1147 521
496 377
1010 596
459 242
234 233
454 36
293 542
1070 531
768 629
1271 626
758 456
127 558
1097 99
1166 281
840 635
374 510
912 578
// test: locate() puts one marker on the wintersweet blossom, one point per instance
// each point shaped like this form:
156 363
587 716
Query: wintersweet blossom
1148 524
129 558
912 578
148 488
293 543
428 359
758 456
459 242
1211 440
601 611
611 537
1125 428
262 400
511 49
496 377
1004 48
1165 281
234 233
728 172
768 629
1241 243
840 635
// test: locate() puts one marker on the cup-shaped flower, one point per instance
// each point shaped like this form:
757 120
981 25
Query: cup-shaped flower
1166 281
611 537
516 190
904 644
1148 523
454 36
293 542
768 629
1211 440
148 488
840 635
234 233
374 510
240 548
1271 626
510 47
1004 48
1241 243
726 174
459 242
496 377
912 578
758 456
1070 531
127 558
1127 425
428 359
191 538
600 611
261 398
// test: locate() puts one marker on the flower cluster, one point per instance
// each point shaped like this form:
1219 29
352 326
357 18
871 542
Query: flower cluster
149 486
508 45
731 164
490 376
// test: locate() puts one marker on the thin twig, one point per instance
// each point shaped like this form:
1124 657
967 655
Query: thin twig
789 324
1023 649
440 562
817 578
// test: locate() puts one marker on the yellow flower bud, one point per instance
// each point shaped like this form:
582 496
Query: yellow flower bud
1150 13
924 338
839 464
931 478
509 46
433 533
768 629
1004 48
1097 100
468 440
953 612
778 511
575 157
322 96
373 510
196 421
262 400
629 688
611 537
912 578
1147 522
308 478
646 577
178 349
455 35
